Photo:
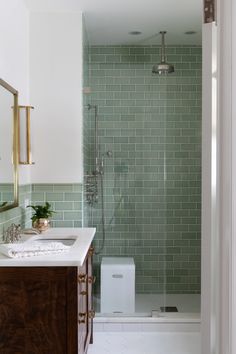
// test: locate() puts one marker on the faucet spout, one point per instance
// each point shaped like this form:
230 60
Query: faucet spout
31 231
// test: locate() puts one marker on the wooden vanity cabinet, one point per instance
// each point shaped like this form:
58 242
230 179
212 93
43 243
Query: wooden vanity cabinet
85 304
46 309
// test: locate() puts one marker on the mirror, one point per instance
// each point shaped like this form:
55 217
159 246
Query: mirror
8 146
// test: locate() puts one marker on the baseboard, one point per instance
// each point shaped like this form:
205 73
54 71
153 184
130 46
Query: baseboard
177 323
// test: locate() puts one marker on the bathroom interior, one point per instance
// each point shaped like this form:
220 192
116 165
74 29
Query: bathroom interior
116 135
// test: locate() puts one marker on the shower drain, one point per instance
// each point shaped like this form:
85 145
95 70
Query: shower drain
169 309
156 313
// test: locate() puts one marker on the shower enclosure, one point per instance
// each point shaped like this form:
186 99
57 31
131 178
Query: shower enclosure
146 176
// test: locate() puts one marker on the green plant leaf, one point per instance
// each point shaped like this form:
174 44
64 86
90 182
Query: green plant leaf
41 211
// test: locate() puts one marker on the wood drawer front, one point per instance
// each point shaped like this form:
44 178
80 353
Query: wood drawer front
34 311
40 309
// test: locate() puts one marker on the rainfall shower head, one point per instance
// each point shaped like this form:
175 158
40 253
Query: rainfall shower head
163 68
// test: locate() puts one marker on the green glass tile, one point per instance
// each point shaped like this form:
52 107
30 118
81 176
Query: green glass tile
64 206
98 73
127 88
58 216
38 196
106 50
78 205
127 72
113 58
137 50
189 58
155 50
99 58
62 223
112 88
122 50
128 58
183 50
54 196
73 196
78 223
72 215
63 187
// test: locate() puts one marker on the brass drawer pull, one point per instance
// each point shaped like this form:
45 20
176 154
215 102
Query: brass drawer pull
82 278
83 316
91 314
92 279
83 292
91 251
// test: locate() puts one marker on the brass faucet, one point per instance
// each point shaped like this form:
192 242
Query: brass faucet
12 234
31 231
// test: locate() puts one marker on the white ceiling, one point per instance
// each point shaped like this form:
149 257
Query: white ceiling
110 21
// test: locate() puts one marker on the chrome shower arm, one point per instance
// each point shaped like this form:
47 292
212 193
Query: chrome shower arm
163 50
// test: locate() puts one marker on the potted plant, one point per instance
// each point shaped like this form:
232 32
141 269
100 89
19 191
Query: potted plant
40 217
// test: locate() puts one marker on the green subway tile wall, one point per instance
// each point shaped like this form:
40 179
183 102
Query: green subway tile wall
18 215
7 193
152 183
66 200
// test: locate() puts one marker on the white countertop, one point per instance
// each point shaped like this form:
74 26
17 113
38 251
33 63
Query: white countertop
73 258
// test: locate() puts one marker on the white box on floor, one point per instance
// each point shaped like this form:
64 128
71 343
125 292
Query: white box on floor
117 285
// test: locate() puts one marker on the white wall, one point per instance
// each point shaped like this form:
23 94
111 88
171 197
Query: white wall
56 94
14 55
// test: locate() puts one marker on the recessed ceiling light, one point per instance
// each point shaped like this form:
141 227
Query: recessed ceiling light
135 33
190 32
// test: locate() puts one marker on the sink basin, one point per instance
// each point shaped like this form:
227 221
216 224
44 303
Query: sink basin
65 241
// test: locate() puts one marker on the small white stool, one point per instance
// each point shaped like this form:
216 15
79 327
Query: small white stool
117 285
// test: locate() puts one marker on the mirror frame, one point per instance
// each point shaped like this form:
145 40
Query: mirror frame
15 145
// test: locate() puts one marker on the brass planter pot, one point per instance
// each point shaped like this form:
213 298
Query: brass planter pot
41 224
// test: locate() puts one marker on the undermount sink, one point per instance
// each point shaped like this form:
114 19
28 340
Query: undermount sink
65 241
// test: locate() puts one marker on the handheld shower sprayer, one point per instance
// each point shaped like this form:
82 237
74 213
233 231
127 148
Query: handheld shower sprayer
97 177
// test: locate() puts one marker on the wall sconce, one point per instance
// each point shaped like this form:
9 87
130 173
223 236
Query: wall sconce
25 153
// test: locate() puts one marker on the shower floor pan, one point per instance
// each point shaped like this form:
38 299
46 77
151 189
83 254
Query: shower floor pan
149 305
149 318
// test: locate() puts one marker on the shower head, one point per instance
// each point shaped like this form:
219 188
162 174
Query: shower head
163 68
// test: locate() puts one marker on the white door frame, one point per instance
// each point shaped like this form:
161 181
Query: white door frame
227 100
210 192
223 329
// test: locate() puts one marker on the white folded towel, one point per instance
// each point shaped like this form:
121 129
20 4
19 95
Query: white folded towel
29 249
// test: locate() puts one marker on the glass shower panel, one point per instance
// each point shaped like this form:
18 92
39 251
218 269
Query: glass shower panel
149 137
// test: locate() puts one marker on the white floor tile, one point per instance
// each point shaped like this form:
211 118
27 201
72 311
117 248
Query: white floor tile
145 343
